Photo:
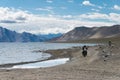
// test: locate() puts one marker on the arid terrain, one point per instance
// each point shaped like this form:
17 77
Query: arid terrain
101 63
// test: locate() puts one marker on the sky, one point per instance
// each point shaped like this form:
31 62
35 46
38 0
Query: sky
57 16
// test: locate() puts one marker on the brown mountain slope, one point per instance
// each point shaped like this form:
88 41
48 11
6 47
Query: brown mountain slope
83 33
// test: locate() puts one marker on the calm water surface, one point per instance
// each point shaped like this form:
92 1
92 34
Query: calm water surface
22 52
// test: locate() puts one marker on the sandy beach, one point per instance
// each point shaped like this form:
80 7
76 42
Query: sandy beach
101 63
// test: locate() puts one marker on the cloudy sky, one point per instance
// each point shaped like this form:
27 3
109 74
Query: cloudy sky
57 16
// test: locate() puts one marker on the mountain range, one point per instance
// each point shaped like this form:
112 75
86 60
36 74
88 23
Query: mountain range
84 33
78 33
7 35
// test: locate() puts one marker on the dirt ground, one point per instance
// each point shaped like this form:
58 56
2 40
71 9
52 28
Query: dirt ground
101 63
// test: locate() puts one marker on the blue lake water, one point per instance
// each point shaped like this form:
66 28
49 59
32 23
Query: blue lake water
24 52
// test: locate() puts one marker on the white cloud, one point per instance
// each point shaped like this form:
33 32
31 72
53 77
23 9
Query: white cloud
87 3
25 21
96 10
116 7
100 7
94 16
49 1
11 15
48 9
113 17
67 16
45 9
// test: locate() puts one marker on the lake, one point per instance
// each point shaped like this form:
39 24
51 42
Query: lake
25 52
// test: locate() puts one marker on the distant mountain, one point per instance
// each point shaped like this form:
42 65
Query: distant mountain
50 36
7 35
28 37
12 36
82 33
